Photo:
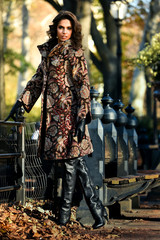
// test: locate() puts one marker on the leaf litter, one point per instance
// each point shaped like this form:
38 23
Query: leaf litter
36 220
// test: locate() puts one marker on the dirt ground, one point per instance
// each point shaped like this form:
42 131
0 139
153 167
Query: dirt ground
34 221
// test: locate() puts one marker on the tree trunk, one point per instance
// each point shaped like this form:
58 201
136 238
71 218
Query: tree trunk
2 83
84 16
138 88
70 5
23 76
107 52
6 24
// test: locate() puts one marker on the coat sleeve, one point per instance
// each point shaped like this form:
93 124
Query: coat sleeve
32 90
82 86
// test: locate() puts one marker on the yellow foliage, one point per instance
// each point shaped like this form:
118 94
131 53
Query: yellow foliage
149 57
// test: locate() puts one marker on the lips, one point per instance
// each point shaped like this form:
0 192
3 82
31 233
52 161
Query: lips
64 38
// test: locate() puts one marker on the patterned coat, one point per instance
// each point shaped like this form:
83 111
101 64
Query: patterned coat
62 81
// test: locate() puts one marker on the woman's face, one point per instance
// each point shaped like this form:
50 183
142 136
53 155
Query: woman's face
64 30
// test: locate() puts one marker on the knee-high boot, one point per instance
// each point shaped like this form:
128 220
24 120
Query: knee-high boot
95 205
68 186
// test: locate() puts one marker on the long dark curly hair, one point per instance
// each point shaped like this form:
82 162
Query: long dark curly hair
76 37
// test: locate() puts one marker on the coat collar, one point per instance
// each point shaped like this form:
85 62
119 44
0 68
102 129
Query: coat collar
44 49
59 48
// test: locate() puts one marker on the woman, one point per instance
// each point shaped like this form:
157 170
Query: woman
62 79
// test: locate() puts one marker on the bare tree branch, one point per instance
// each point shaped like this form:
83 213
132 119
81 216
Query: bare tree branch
70 5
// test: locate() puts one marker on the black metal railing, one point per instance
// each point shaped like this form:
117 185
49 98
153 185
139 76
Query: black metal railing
21 169
12 154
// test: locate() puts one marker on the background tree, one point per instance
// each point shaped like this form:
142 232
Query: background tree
6 23
140 95
106 45
23 75
2 84
15 61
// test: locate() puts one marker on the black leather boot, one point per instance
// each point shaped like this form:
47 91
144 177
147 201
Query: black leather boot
98 216
69 180
96 207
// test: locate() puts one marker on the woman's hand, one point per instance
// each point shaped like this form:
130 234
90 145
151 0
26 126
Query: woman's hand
15 110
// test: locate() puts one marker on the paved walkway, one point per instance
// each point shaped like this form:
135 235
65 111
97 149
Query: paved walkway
143 223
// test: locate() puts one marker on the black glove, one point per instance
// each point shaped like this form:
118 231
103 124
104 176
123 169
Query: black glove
15 110
80 130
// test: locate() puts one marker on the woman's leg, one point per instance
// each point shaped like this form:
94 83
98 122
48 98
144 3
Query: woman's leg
95 205
68 186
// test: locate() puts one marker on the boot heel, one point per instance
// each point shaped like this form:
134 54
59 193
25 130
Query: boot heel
105 215
99 223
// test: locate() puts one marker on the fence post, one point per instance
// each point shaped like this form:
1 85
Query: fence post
132 140
122 137
20 195
95 161
110 138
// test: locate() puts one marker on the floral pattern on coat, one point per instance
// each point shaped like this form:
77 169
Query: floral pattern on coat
62 80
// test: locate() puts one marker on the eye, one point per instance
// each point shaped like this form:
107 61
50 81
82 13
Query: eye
69 28
60 27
